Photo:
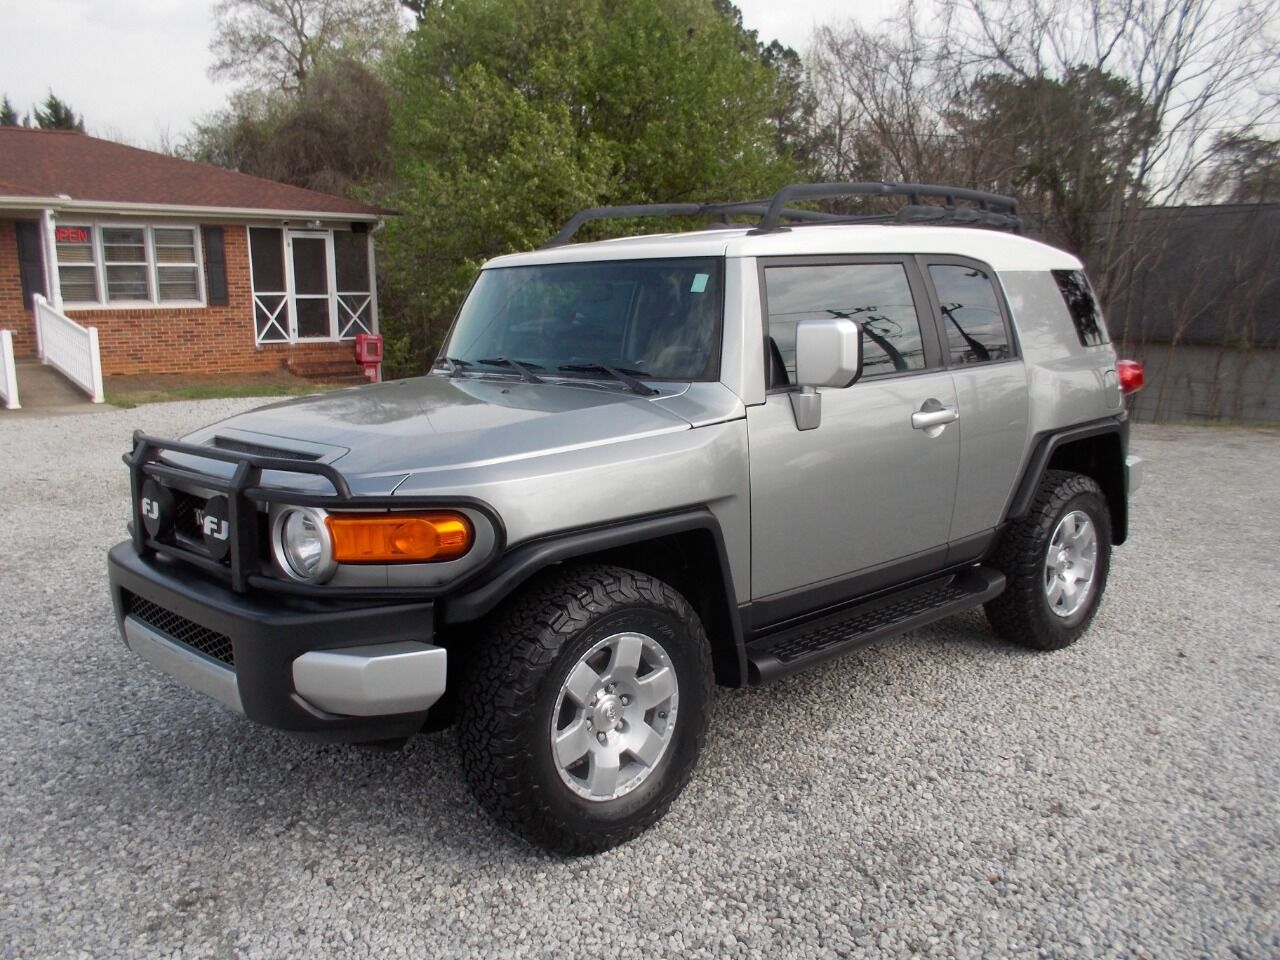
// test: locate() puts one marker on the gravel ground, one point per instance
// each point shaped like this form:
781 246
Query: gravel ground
938 795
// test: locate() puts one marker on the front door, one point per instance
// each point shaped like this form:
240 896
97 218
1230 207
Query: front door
310 284
871 487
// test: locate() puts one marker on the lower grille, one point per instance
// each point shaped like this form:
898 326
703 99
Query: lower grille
187 632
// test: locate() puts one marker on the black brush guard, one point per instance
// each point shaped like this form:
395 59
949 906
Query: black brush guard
244 490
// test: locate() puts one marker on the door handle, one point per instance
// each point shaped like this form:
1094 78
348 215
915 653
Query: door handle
933 414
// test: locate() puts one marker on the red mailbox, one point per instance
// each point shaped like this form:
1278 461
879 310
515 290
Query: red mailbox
368 348
369 353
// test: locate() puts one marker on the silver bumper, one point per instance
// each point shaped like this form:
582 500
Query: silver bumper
1132 474
182 663
403 677
389 678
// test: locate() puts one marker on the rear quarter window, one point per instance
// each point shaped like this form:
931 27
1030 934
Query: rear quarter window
1083 307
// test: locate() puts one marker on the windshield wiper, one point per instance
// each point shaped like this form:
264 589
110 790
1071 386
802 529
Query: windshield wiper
623 375
455 365
524 369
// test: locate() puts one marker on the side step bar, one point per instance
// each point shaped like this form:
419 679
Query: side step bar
798 648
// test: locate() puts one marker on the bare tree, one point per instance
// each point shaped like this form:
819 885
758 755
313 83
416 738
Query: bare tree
1091 112
882 101
1198 64
276 44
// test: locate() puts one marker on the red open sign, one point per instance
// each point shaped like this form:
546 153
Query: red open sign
71 234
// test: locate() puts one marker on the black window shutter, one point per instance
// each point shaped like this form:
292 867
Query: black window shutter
30 260
215 266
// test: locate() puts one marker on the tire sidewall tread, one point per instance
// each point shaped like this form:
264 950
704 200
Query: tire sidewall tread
511 684
1021 612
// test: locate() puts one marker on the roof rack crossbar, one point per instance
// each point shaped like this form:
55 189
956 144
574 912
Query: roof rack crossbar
1006 207
749 208
988 209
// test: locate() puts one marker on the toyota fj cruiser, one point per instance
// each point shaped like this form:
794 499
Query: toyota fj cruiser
640 467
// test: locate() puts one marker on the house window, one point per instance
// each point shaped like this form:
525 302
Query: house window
77 272
121 264
124 255
177 271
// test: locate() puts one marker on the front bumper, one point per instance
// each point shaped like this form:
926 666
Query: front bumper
323 669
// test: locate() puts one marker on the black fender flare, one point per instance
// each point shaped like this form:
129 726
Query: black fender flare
521 562
1042 452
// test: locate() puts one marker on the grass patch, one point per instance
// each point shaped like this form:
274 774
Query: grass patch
129 392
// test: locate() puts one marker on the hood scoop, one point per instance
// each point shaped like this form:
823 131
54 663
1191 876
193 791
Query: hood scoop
260 449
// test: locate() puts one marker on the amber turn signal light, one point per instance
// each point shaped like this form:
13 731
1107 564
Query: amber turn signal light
399 537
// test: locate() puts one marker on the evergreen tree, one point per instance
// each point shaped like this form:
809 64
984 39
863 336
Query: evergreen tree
8 115
54 114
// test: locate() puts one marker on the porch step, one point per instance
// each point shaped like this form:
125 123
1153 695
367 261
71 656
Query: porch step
788 651
328 370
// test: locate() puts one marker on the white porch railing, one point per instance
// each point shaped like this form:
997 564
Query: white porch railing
69 348
8 377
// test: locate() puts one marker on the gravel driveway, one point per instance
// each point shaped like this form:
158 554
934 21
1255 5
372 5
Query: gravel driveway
940 795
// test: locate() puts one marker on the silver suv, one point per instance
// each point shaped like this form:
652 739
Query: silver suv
639 468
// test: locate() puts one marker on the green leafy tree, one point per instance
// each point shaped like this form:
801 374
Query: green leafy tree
512 116
8 115
796 102
55 114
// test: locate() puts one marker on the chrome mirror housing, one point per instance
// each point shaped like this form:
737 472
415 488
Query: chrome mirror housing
828 354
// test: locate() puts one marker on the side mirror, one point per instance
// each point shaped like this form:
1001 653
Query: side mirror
828 354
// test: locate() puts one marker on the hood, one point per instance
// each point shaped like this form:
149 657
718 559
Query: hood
435 422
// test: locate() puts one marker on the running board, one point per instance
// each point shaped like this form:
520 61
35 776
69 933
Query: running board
798 648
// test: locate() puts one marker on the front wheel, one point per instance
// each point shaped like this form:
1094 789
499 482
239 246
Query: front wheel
583 714
1055 561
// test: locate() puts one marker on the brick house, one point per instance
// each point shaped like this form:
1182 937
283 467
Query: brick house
181 267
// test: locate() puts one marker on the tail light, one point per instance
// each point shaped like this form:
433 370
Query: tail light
1131 377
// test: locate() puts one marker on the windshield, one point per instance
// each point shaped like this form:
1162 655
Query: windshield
658 319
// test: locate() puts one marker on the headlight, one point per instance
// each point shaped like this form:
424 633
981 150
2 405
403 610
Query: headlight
302 544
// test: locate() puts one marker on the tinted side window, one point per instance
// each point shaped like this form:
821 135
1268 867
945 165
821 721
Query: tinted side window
1083 307
970 314
876 295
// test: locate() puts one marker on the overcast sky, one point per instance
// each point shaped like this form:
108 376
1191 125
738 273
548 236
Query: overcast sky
137 69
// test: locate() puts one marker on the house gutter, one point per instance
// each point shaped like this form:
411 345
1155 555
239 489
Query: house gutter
112 207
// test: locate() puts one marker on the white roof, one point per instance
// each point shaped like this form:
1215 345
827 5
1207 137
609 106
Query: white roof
1003 251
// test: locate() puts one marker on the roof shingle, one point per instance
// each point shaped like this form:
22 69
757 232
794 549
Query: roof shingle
49 163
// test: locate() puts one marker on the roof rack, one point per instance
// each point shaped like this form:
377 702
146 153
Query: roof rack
983 209
750 208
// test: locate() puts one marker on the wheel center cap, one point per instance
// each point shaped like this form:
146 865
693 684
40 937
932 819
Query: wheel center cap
607 713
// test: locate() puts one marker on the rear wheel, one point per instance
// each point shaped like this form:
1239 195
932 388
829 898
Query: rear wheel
1056 561
582 716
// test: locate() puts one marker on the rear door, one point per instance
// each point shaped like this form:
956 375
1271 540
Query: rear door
867 493
982 353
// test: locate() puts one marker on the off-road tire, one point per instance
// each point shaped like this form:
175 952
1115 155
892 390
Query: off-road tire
1021 613
510 689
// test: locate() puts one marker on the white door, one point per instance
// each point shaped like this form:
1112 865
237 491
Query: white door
309 256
